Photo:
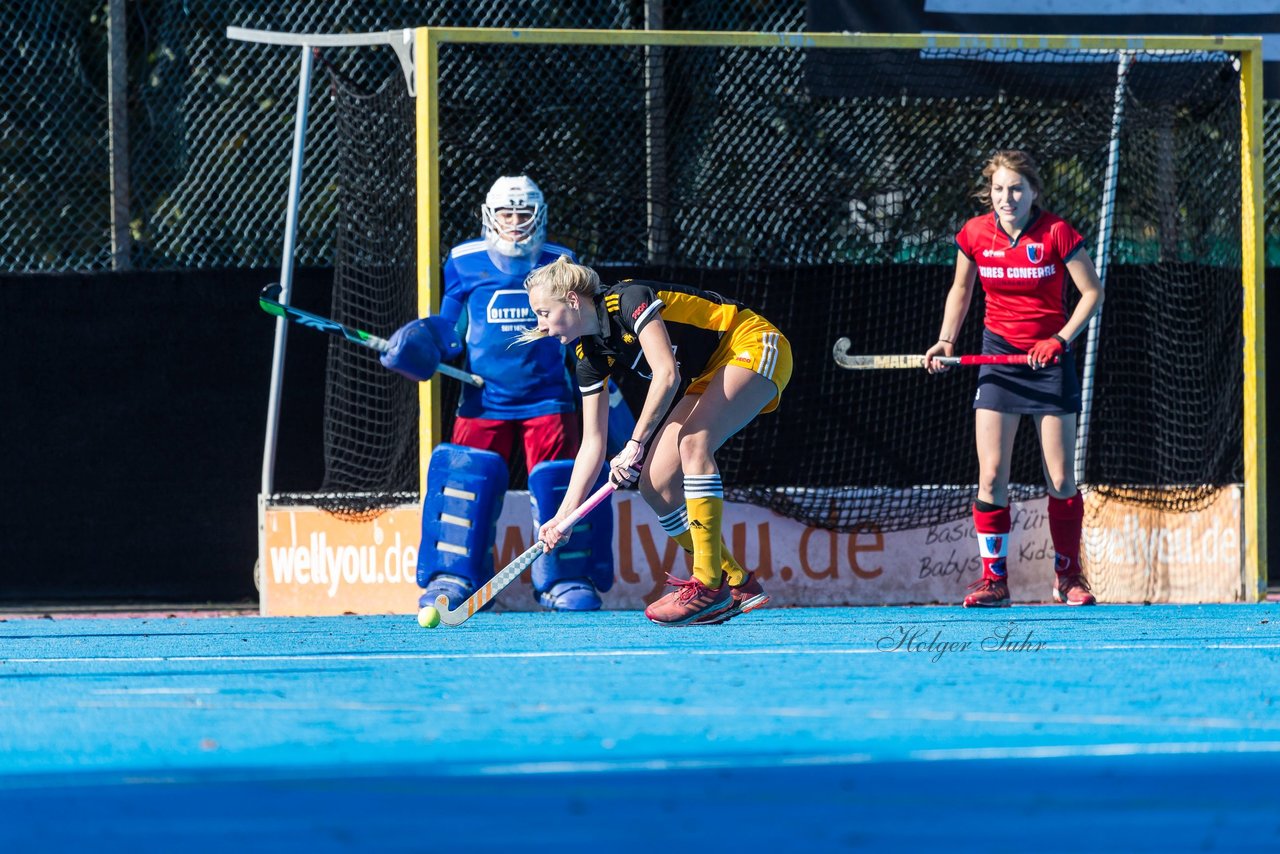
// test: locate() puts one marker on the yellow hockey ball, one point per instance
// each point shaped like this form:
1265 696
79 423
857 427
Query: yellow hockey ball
429 617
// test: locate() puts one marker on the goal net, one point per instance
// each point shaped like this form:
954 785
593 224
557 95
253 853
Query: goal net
823 186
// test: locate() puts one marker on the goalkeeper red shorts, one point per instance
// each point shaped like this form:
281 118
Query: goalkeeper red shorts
545 437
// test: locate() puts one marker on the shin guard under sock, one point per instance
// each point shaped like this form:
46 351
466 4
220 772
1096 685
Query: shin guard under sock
704 498
1066 518
992 527
676 524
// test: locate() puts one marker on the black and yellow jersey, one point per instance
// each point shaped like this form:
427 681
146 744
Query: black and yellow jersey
696 320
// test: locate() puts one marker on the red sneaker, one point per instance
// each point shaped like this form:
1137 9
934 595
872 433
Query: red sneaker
988 593
746 597
690 601
1072 589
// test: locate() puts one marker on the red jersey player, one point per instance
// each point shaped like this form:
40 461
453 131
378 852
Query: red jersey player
1021 254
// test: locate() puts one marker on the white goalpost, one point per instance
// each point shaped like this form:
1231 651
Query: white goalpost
401 41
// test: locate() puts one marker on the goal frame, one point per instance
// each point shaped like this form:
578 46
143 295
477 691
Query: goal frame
418 50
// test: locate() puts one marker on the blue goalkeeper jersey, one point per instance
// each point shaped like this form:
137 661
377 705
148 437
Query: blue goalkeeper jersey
520 380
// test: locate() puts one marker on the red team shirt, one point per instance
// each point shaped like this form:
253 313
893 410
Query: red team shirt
1023 278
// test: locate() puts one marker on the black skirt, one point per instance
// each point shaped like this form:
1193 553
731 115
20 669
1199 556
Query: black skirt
1051 390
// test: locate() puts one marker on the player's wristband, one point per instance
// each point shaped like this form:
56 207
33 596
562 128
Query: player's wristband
1061 340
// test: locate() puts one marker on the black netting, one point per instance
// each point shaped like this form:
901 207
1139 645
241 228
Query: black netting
824 188
370 414
210 119
55 175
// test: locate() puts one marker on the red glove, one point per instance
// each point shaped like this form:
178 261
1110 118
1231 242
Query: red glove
1046 352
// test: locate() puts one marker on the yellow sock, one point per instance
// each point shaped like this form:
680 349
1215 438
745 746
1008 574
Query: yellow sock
733 570
685 539
704 530
676 524
728 565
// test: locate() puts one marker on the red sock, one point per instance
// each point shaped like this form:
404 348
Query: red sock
992 527
1066 518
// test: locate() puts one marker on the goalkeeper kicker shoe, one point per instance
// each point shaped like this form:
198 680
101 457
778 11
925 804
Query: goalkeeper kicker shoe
573 594
455 587
691 601
746 597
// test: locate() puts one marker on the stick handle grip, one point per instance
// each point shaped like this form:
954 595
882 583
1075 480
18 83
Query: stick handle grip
586 507
461 375
982 359
511 571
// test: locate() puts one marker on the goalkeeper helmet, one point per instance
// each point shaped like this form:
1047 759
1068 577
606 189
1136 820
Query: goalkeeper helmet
515 217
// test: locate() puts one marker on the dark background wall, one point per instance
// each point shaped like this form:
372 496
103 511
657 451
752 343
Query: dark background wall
134 417
133 423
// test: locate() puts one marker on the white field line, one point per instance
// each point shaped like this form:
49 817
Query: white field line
1065 751
1049 646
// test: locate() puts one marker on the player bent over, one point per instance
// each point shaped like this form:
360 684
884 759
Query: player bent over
527 396
1020 253
712 365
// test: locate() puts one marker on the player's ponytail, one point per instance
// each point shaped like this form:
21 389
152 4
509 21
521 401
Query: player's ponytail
559 278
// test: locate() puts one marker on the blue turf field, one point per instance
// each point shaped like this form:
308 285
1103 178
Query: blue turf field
1034 728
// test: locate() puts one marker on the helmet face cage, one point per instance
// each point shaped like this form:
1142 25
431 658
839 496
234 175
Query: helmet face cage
526 235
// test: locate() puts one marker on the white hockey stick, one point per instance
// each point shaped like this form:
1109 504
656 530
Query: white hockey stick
866 363
512 571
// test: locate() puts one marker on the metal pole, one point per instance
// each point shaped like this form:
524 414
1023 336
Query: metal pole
286 271
655 139
118 132
1104 253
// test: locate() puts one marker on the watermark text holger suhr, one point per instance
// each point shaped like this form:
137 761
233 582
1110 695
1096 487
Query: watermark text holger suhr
1006 638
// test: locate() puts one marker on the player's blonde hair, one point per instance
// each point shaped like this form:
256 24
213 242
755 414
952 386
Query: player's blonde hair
1018 161
559 278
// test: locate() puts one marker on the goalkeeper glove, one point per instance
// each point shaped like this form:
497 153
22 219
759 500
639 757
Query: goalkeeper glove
415 350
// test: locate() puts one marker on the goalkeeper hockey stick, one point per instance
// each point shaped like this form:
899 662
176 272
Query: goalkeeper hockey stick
269 301
511 571
864 363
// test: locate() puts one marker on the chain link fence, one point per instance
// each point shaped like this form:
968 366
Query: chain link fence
55 189
210 120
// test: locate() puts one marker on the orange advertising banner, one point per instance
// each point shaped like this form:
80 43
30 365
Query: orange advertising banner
1138 553
312 563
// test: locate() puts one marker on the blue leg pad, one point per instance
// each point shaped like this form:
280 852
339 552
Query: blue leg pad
574 594
465 487
453 587
588 553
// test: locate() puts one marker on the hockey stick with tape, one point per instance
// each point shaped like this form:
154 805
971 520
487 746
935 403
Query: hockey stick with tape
865 363
269 301
511 571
